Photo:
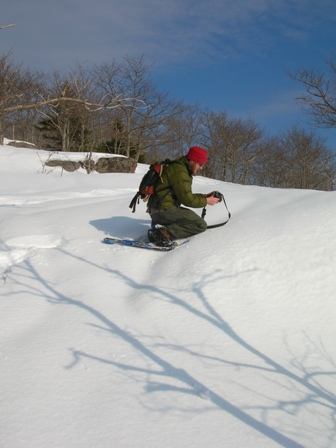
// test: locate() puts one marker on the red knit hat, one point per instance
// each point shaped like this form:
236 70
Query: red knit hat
197 154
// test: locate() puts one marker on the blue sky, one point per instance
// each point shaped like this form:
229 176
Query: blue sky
227 55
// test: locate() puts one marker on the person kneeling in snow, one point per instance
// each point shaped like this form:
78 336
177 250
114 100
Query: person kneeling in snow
165 206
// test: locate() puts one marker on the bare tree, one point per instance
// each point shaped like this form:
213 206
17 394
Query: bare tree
147 112
268 166
21 122
295 159
15 95
308 163
319 101
111 136
134 126
67 123
182 130
233 145
12 88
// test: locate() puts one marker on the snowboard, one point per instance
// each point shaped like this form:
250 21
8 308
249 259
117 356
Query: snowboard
142 244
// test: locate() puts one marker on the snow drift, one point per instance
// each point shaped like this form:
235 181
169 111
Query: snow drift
228 341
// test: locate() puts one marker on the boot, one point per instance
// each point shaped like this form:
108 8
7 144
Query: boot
160 237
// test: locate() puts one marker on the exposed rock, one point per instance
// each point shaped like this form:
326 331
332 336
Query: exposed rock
115 165
103 165
18 144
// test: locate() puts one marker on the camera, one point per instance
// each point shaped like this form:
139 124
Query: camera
216 194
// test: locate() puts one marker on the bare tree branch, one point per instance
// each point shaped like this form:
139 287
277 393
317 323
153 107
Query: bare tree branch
319 101
92 107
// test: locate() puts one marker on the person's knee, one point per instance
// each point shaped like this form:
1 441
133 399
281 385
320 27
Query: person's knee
202 226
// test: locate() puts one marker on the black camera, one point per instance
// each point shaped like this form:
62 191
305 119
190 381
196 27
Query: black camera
216 194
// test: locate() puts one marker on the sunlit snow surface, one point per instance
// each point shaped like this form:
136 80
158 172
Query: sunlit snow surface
227 341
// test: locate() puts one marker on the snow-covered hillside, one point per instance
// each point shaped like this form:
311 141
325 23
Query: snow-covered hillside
227 341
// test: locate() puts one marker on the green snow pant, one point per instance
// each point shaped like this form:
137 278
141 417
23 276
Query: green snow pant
179 221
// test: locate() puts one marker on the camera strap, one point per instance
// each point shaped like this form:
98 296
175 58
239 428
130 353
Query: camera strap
222 223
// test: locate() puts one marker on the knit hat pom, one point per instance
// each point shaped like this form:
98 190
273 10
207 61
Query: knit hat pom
197 154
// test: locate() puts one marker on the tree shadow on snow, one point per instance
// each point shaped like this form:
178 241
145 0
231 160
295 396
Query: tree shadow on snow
154 379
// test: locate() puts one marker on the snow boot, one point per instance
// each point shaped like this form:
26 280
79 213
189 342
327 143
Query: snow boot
160 237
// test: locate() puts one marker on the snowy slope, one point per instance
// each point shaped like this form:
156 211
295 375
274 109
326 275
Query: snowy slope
228 341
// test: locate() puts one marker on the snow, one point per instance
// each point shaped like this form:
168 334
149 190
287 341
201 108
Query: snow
227 341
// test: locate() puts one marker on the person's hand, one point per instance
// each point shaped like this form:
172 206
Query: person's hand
212 200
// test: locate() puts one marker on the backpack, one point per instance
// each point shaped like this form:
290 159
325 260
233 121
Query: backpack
148 182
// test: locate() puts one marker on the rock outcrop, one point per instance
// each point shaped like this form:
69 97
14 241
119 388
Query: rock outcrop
102 165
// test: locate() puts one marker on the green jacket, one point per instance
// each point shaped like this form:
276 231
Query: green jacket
175 187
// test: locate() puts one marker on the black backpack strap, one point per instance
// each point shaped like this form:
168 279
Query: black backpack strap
134 201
